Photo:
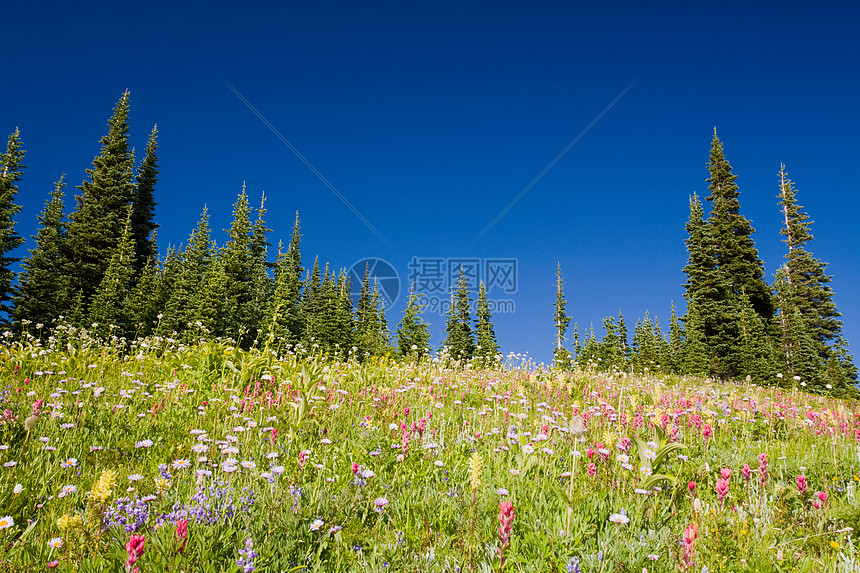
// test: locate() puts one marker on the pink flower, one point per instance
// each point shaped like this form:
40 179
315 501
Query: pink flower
592 469
762 468
691 533
691 486
506 518
134 548
722 488
801 484
707 432
590 453
355 468
726 473
182 533
746 471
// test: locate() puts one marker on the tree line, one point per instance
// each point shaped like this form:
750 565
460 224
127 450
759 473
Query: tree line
99 269
736 326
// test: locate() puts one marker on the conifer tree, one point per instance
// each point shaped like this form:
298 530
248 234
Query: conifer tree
460 340
487 345
371 328
284 317
11 167
413 334
212 300
561 355
40 299
109 308
166 283
142 307
675 362
238 269
261 286
143 204
737 256
797 347
178 313
198 256
311 304
646 346
96 224
808 284
757 355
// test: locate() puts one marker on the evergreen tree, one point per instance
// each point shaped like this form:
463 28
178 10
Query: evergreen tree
284 315
11 167
310 304
238 269
737 256
166 283
39 298
143 204
109 309
97 222
487 346
610 350
757 355
413 334
142 308
198 256
675 361
212 300
808 284
460 340
797 348
561 355
708 294
261 285
371 329
646 345
179 311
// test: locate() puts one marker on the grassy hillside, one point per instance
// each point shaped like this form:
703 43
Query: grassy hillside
210 458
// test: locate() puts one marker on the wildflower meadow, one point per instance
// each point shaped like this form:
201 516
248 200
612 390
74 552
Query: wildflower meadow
159 456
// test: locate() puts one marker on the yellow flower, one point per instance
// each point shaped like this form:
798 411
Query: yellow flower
103 488
475 463
608 439
743 531
834 545
161 485
69 521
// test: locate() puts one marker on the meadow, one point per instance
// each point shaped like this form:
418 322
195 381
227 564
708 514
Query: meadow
162 456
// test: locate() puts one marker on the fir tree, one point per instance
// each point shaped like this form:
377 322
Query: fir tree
285 319
413 334
737 256
808 284
460 340
261 286
11 167
109 309
40 299
675 361
310 304
97 222
143 203
142 308
238 269
561 355
487 346
757 355
697 354
212 300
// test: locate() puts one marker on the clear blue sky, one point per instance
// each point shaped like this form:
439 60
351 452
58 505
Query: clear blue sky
430 117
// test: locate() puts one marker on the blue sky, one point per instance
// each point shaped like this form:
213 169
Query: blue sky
431 117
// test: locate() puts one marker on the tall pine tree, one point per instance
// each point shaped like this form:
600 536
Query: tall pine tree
561 355
486 344
143 204
460 340
96 224
39 299
10 173
413 334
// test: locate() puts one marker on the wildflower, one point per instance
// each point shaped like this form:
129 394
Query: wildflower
6 522
691 533
515 472
439 463
475 464
592 469
380 503
834 545
317 524
143 444
180 464
801 483
69 463
506 518
103 488
55 542
135 477
502 491
691 486
182 533
726 473
573 566
746 472
161 485
134 550
69 521
620 518
722 488
17 489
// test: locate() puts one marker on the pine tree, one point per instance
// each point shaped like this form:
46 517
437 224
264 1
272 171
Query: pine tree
460 340
808 284
109 308
737 256
142 308
708 292
646 347
371 330
40 299
413 334
487 345
284 316
675 362
756 362
238 268
697 355
261 285
797 348
212 299
166 283
561 355
143 203
97 223
311 304
11 167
